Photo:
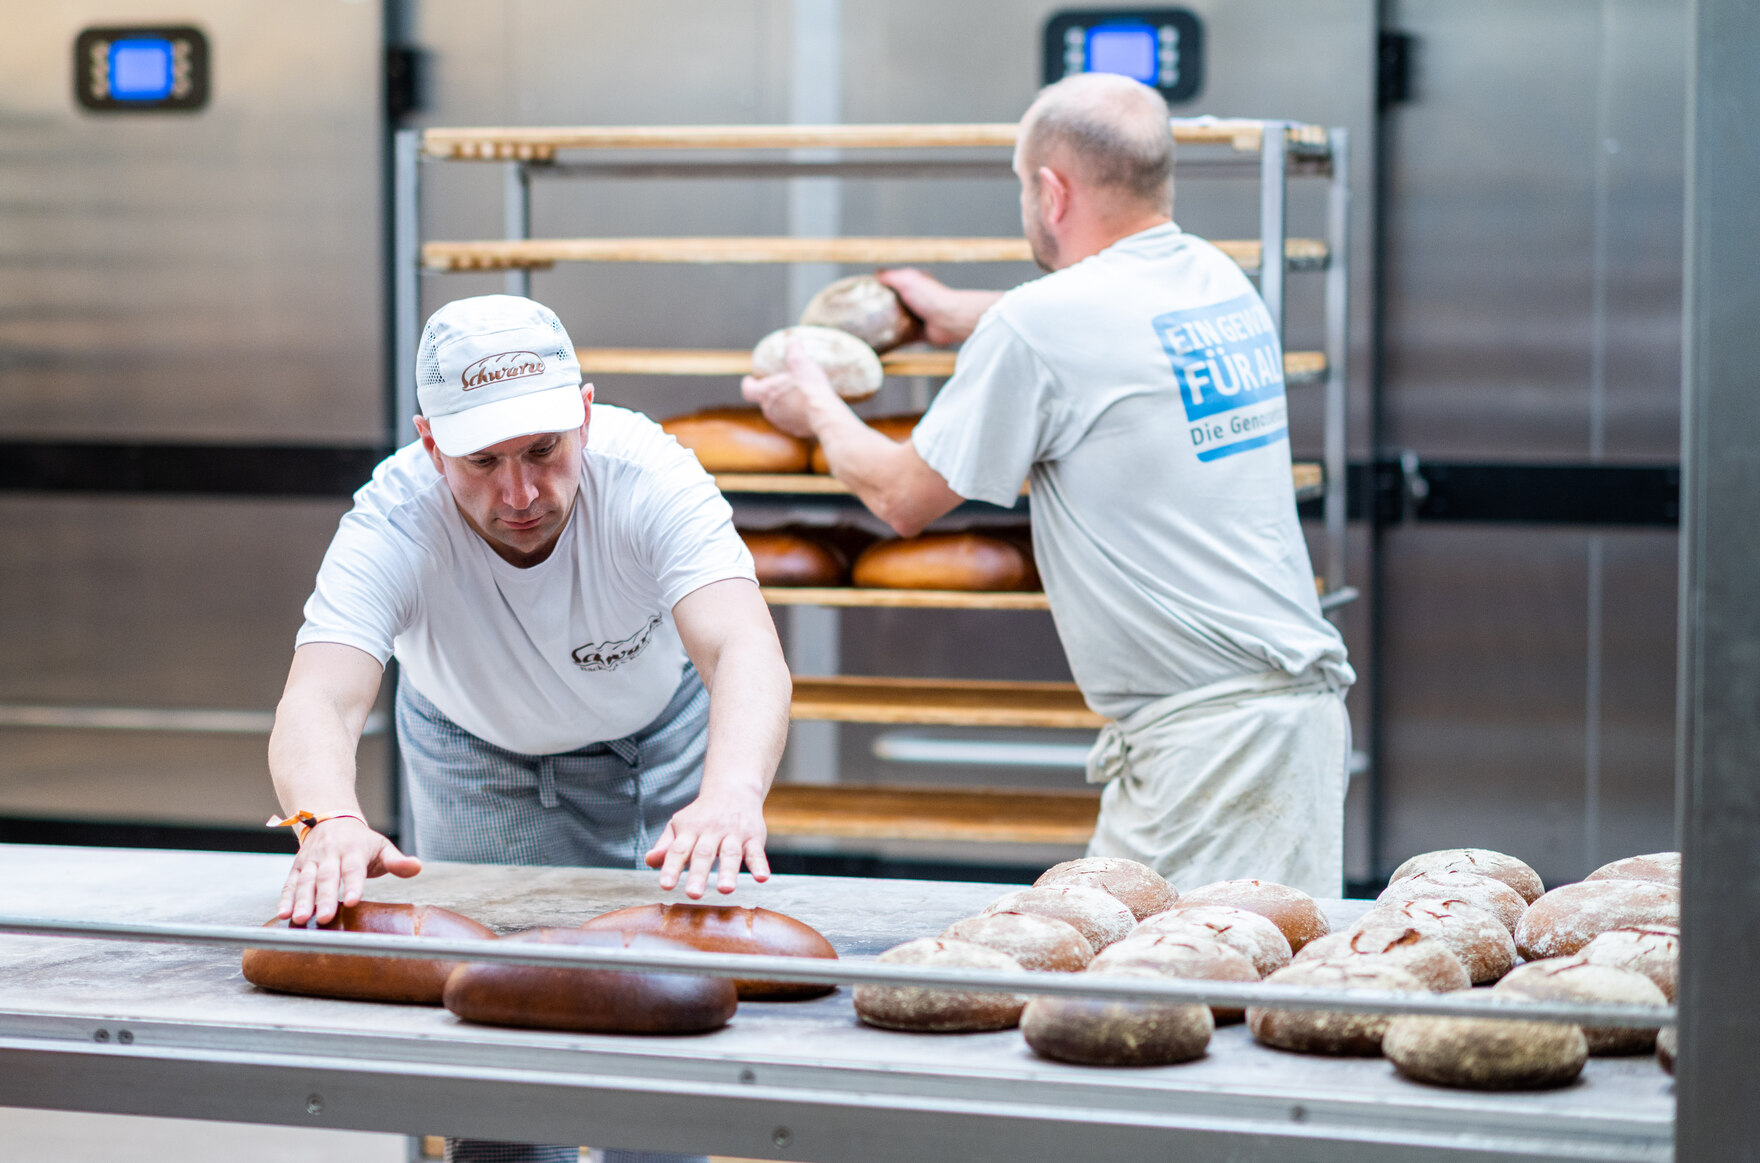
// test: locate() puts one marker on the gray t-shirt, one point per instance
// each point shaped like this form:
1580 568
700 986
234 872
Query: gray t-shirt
1140 392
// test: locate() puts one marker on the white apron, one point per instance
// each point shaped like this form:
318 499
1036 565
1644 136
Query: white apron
1240 779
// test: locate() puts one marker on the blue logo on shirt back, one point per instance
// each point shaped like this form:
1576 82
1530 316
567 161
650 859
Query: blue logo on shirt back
1229 369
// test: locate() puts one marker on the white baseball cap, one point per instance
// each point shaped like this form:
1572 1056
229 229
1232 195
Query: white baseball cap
495 367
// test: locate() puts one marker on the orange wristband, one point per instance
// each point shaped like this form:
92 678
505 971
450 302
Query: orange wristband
305 821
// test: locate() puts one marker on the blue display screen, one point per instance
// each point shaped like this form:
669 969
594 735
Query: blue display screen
1123 48
140 69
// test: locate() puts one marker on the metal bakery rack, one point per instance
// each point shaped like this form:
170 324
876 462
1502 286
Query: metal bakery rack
1273 151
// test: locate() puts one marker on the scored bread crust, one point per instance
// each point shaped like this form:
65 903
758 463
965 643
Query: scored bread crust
1140 887
1657 867
1479 939
1485 862
1488 893
1329 1031
1425 958
1485 1053
1568 918
1100 917
1192 955
1573 979
1290 909
1653 950
940 1011
1041 944
1252 933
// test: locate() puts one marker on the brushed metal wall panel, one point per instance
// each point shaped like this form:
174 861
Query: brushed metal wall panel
208 275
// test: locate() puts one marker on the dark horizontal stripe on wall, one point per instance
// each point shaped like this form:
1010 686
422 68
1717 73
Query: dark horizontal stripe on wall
222 470
114 834
1528 494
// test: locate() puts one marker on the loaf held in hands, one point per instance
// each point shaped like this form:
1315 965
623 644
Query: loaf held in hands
866 308
730 929
849 364
357 977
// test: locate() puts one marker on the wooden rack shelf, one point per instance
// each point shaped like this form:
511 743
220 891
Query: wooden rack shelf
541 253
1299 367
850 596
930 813
542 144
941 702
1309 478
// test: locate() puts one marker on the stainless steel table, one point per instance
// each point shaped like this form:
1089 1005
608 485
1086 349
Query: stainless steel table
176 1031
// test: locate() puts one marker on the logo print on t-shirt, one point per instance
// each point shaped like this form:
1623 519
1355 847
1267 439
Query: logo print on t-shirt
1230 373
611 655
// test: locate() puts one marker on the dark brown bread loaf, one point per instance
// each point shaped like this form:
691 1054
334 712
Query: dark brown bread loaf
357 978
1425 958
786 557
730 929
1485 1053
1494 896
1100 917
1330 1031
895 428
1250 933
1145 891
1040 944
1479 939
1573 979
971 560
1566 919
1653 950
940 1011
1094 1032
594 1001
850 365
1190 955
1290 909
1657 867
866 308
1483 861
739 440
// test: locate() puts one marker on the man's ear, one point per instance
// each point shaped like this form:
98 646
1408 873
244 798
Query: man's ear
1054 195
433 450
587 406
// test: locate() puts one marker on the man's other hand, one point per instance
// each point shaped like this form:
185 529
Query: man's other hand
333 866
948 315
789 397
728 829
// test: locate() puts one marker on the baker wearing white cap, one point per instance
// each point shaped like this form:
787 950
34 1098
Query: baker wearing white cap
588 674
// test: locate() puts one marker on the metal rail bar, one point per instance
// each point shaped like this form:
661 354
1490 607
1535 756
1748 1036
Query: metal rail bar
848 972
197 720
991 168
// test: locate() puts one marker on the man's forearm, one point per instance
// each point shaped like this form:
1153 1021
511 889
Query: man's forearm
885 475
748 718
312 758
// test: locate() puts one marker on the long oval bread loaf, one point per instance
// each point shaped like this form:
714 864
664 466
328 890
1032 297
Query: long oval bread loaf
730 929
739 440
785 557
972 560
595 1001
361 978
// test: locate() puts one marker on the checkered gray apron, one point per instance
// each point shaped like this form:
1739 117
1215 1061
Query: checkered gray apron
601 806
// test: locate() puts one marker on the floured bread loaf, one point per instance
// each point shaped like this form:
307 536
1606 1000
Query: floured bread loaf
866 308
1485 1053
897 429
1098 916
1425 958
1188 955
1039 943
851 365
1475 936
1653 950
1328 1031
1290 909
1657 867
1494 896
1483 861
940 1011
1573 979
1145 891
1566 919
969 560
1096 1032
1251 933
738 440
1667 1046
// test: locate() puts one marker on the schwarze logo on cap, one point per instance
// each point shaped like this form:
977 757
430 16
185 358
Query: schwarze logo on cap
505 365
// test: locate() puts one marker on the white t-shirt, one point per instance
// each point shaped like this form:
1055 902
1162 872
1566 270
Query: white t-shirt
577 649
1140 392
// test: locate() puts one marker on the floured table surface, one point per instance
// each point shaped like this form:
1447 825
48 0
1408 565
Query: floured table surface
784 1080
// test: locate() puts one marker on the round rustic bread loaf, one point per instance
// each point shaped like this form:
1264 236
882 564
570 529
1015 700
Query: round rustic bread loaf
1250 933
897 429
1140 887
866 308
1573 979
1657 867
1485 1053
851 365
1481 860
1041 944
599 1001
1330 1031
738 440
1425 958
784 557
1494 896
357 978
1668 1042
969 560
1095 1032
940 1011
1191 955
731 929
1100 917
1568 918
1653 950
1290 909
1479 939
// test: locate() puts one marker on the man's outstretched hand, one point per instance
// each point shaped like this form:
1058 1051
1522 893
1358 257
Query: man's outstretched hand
728 829
333 866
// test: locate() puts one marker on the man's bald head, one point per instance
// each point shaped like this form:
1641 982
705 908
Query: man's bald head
1105 131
